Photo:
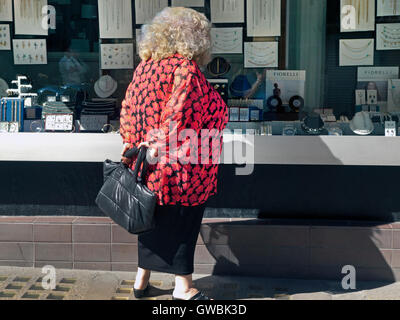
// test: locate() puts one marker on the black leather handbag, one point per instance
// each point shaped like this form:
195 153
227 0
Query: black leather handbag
124 198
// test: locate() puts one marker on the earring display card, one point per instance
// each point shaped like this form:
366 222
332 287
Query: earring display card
188 3
115 19
30 51
357 15
360 97
147 9
263 18
6 10
372 97
59 122
117 56
261 55
356 52
234 113
28 17
394 95
388 8
5 43
227 11
388 36
227 40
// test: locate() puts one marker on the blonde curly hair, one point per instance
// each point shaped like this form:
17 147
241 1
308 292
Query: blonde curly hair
176 30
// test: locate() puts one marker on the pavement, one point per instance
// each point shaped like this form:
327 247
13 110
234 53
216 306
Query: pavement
26 284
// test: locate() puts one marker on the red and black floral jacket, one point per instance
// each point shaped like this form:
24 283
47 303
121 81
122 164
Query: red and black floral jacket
173 95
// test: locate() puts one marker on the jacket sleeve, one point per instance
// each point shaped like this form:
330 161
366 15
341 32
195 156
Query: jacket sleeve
125 118
179 112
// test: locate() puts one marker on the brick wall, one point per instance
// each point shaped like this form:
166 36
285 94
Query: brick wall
271 248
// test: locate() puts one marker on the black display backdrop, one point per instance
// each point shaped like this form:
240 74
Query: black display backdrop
342 81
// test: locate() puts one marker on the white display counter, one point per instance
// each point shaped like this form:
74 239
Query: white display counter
299 150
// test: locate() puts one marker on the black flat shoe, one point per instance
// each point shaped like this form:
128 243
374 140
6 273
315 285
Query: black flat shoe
197 296
141 293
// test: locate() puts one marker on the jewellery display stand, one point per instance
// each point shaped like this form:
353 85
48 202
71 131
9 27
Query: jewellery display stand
356 52
261 55
388 36
357 15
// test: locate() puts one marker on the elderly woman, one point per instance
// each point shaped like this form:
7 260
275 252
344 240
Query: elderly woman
172 109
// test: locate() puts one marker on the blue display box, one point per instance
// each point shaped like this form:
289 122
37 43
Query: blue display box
12 110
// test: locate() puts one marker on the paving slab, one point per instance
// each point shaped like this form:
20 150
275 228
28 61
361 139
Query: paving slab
26 284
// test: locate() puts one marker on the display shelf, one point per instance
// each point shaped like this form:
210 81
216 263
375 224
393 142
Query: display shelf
262 150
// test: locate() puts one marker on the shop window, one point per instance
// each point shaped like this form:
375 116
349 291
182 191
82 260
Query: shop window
284 67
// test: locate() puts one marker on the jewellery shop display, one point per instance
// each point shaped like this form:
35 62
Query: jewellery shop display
227 40
388 8
5 43
264 18
261 54
356 52
30 51
218 67
364 19
388 36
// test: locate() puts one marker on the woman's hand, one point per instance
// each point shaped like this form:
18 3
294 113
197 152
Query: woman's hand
153 151
126 161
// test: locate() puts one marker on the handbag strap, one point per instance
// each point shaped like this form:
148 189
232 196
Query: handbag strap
141 159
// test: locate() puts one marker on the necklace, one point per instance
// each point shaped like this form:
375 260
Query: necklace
357 58
354 49
261 63
388 43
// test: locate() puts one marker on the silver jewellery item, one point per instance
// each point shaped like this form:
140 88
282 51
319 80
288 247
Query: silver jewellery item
4 127
13 127
111 128
36 126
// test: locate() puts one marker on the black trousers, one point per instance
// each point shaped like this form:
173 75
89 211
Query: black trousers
170 247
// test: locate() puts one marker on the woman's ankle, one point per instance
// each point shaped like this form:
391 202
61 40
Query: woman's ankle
142 279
